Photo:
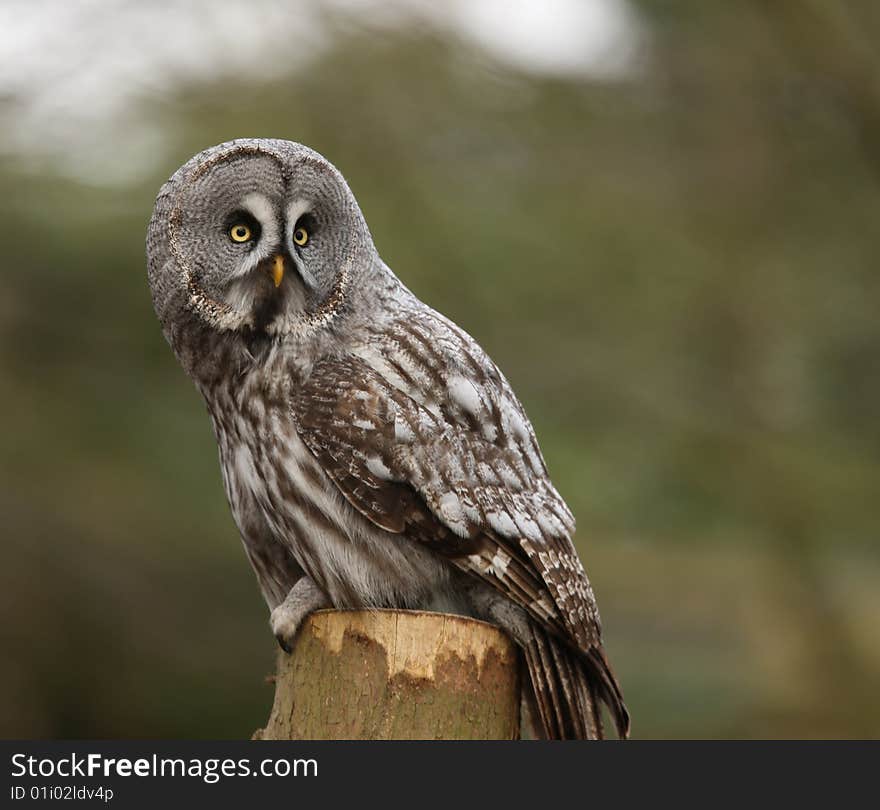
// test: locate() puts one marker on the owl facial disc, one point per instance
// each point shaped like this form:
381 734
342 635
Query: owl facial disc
263 235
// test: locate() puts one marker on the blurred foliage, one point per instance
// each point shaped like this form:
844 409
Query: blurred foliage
678 275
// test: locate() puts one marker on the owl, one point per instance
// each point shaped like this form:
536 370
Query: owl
372 454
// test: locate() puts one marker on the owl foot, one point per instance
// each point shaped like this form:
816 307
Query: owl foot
286 618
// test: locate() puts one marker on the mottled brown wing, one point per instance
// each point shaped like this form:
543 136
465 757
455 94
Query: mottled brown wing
408 469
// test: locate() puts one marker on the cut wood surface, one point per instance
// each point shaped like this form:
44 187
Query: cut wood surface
395 675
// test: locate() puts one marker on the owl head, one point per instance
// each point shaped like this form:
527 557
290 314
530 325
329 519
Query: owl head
256 235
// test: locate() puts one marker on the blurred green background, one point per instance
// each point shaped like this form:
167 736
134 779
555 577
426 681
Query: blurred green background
659 218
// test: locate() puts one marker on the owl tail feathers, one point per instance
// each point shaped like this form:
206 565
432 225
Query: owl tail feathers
610 690
568 689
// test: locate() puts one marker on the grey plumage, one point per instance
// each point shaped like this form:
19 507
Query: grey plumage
372 453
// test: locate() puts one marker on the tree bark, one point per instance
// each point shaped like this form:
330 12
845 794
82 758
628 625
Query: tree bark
396 675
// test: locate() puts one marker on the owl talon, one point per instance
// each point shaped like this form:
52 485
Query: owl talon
286 619
285 627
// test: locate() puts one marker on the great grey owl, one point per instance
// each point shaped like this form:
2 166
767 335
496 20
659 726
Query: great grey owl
372 454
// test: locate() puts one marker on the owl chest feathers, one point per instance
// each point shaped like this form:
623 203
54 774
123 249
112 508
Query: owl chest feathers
280 496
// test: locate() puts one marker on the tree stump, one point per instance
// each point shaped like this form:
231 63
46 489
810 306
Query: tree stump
396 675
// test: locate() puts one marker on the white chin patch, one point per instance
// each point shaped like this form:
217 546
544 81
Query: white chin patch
243 294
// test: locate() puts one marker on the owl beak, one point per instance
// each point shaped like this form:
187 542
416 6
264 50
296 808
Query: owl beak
278 270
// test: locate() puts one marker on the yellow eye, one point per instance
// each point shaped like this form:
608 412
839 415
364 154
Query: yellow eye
240 233
300 236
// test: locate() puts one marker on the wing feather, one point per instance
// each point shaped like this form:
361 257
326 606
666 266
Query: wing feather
462 473
405 468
